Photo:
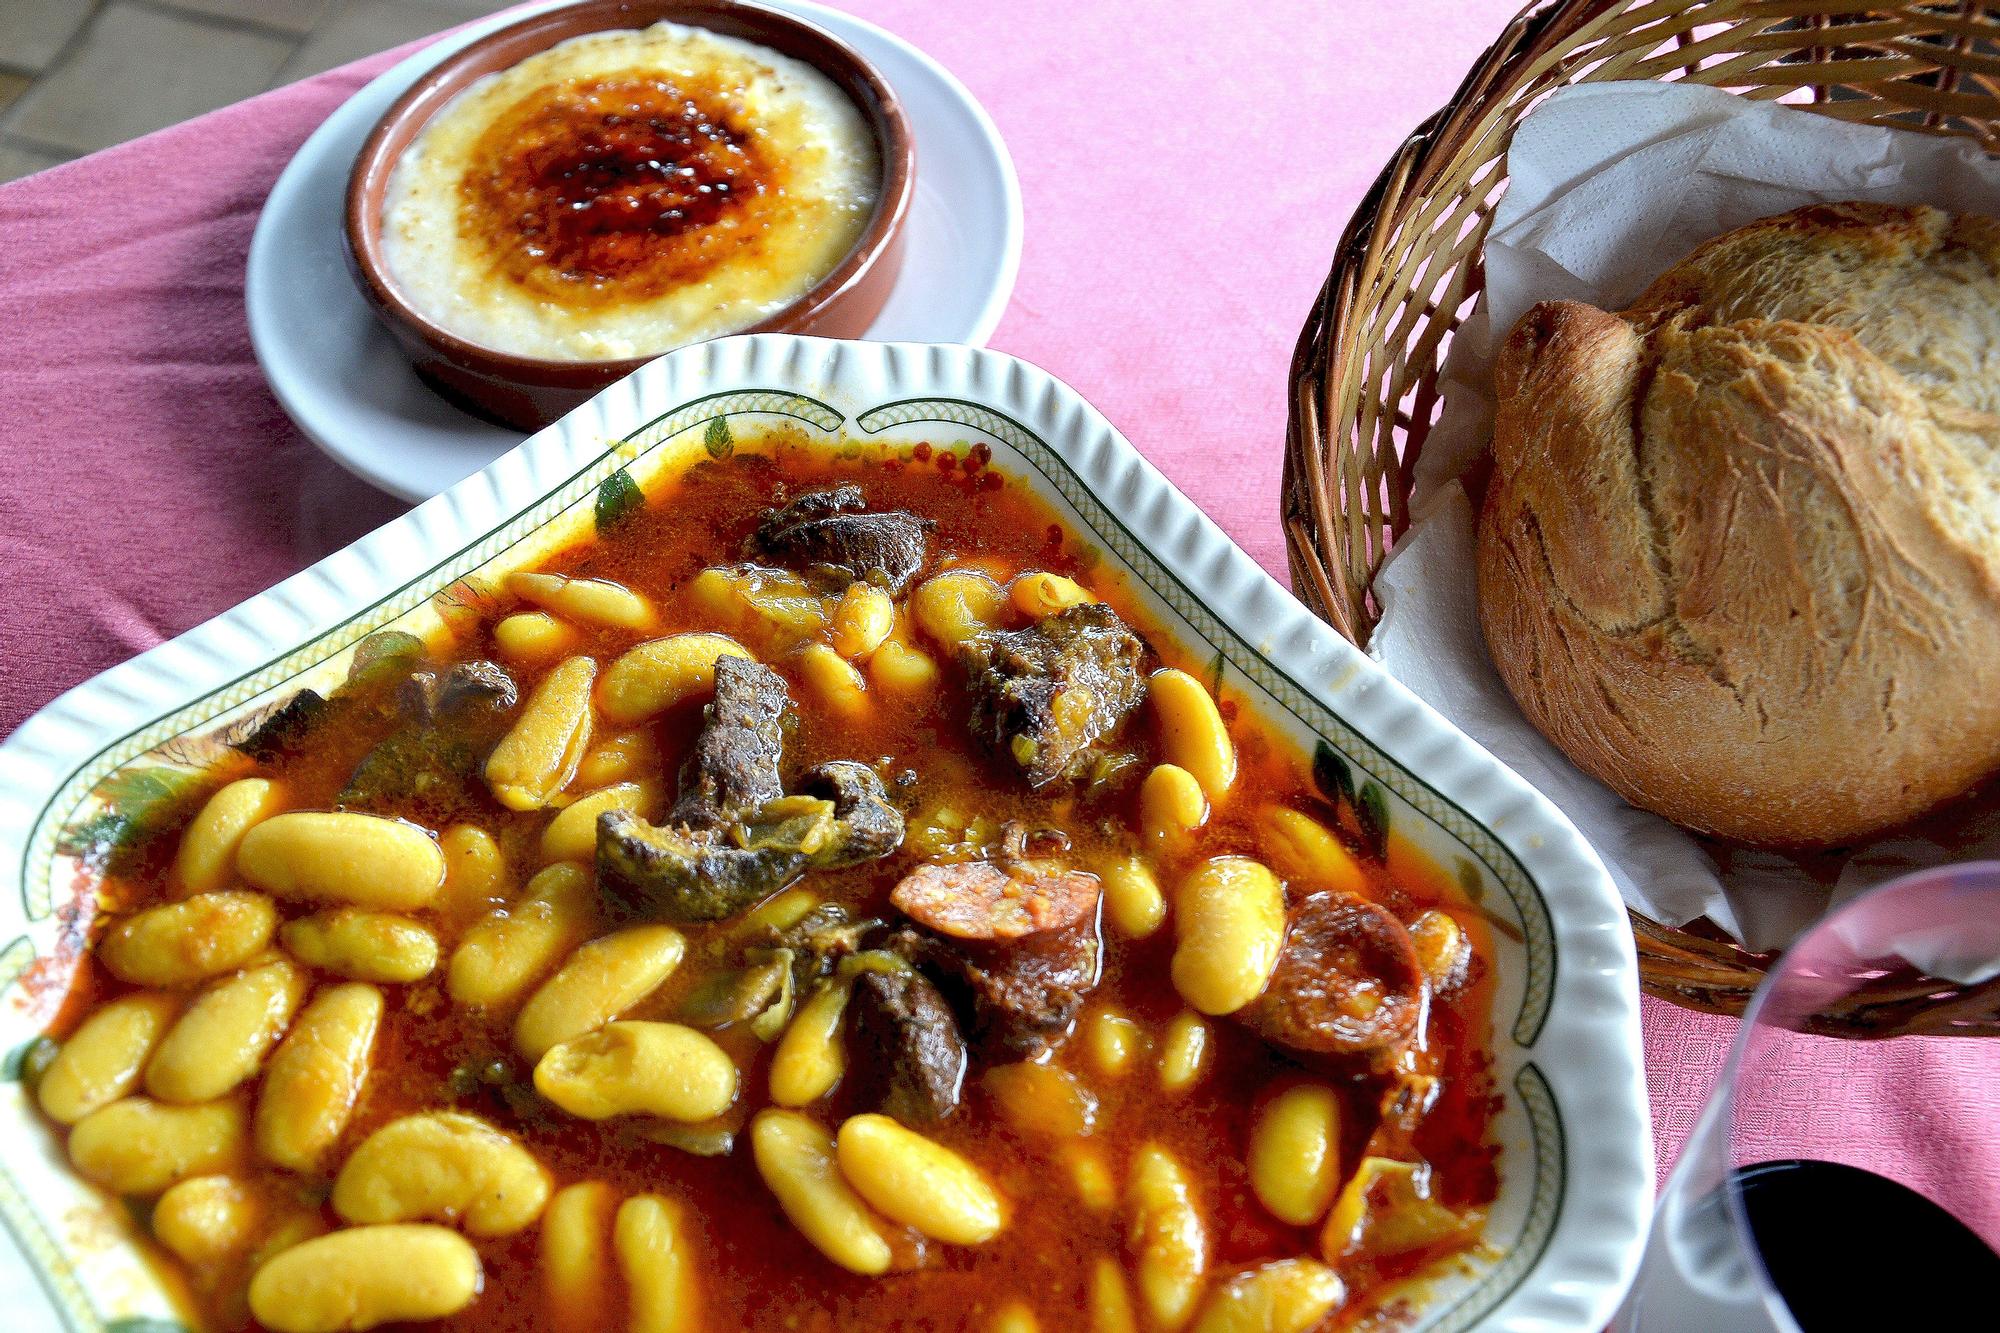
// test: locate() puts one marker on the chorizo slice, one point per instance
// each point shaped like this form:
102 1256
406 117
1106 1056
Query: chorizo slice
980 901
1348 981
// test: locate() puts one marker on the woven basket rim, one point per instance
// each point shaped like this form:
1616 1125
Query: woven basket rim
1697 966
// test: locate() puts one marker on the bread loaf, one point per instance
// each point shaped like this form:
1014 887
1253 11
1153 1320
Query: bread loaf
1740 554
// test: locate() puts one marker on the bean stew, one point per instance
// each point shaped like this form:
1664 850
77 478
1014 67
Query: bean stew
817 899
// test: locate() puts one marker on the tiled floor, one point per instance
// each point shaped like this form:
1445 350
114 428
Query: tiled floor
79 75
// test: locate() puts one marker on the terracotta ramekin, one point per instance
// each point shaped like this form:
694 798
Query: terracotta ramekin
529 392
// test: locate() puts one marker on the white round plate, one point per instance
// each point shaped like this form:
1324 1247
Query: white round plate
340 377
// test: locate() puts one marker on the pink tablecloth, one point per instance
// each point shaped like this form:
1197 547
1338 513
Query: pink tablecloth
1187 172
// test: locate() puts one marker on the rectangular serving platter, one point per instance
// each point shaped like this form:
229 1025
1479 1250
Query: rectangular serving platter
1576 1165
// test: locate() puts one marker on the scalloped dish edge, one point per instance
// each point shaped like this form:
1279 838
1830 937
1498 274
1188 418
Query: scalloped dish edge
1576 1161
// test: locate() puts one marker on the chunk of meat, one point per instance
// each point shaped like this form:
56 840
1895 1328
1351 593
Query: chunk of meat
705 874
778 965
830 535
867 825
745 994
452 720
432 766
1042 696
1018 842
905 1046
1017 997
283 731
1348 981
977 900
468 690
818 941
734 837
678 874
733 771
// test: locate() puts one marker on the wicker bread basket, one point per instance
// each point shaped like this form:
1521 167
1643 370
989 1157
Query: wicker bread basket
1364 376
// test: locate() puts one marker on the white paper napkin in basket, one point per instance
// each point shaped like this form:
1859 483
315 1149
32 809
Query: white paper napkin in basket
1609 185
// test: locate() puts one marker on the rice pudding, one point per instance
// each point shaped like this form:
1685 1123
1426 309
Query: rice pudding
625 193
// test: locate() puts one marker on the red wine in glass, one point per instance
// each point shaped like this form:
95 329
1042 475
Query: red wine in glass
1849 1249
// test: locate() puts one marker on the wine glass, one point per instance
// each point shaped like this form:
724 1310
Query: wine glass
1784 1213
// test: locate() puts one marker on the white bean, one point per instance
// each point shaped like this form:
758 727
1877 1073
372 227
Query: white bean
1286 1296
1167 1237
638 1068
655 676
139 1146
576 1259
810 1057
222 1038
797 1160
1192 732
339 856
502 956
1229 924
918 1182
178 944
591 601
537 758
207 855
599 982
443 1166
361 945
316 1076
650 1237
206 1220
105 1057
364 1276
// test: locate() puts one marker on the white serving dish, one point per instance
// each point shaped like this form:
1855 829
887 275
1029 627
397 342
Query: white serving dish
1576 1161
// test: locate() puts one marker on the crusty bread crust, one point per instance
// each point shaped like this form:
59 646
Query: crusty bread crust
1740 555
